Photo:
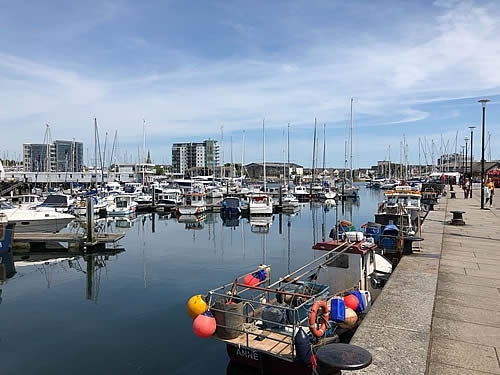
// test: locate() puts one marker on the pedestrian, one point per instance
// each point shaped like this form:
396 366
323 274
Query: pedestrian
490 185
466 188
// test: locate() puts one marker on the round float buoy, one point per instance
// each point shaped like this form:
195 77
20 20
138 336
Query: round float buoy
204 325
250 280
351 301
196 305
350 318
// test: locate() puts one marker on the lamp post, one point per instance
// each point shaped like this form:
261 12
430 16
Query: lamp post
483 104
463 152
466 139
471 127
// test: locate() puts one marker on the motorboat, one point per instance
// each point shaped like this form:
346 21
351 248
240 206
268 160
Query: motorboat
194 203
260 204
122 205
35 220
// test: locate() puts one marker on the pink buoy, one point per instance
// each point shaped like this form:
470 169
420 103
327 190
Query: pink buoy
204 325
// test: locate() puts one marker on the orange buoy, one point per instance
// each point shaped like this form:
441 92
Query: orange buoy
351 301
204 325
196 305
250 280
350 318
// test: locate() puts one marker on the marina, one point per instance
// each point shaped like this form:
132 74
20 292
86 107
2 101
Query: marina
149 280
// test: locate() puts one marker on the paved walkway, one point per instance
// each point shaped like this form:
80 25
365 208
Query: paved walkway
465 334
440 311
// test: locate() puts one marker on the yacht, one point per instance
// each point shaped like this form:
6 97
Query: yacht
35 220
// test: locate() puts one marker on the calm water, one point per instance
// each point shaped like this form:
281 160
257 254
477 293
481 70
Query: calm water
128 316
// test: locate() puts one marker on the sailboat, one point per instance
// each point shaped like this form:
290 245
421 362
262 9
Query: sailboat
289 203
261 203
348 189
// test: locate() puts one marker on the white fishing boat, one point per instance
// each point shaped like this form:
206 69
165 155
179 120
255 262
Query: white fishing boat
289 203
301 193
121 205
194 203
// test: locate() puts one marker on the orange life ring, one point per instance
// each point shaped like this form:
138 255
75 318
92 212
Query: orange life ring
313 324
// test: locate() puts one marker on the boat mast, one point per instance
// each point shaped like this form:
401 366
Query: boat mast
350 142
222 152
314 158
47 141
288 158
242 158
264 154
324 151
143 150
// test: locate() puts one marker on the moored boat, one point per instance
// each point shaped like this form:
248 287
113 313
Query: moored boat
284 326
7 268
194 203
121 205
35 220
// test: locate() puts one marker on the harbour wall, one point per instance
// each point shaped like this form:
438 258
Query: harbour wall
397 329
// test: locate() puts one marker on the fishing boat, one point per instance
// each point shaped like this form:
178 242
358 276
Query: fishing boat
194 203
289 203
292 325
301 193
168 198
403 200
121 205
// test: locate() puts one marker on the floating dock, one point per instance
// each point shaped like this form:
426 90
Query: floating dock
74 240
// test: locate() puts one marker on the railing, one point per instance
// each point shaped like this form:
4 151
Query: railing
265 316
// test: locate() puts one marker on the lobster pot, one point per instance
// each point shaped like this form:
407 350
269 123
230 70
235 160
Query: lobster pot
315 290
229 318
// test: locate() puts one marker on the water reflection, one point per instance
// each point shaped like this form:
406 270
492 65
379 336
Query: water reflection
53 267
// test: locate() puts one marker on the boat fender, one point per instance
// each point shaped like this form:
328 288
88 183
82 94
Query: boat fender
303 346
318 329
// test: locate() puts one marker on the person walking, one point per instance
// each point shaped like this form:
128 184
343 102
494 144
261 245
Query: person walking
466 188
490 185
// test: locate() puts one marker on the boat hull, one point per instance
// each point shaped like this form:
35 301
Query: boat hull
260 360
40 221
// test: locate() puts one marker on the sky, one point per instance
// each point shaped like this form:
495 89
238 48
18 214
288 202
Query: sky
257 76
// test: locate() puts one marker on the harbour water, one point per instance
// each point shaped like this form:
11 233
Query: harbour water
126 313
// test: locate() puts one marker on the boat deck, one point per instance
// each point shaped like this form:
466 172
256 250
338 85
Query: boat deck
264 340
76 239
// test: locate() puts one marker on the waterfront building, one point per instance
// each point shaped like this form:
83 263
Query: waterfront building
59 156
194 156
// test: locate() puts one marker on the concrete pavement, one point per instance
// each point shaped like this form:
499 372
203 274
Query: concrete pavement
439 313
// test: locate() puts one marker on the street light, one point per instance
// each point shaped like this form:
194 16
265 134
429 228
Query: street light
466 139
471 127
463 153
483 104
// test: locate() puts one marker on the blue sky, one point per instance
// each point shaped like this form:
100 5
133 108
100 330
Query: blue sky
194 70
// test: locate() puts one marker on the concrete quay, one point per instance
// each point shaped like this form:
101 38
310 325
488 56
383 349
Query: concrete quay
439 313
